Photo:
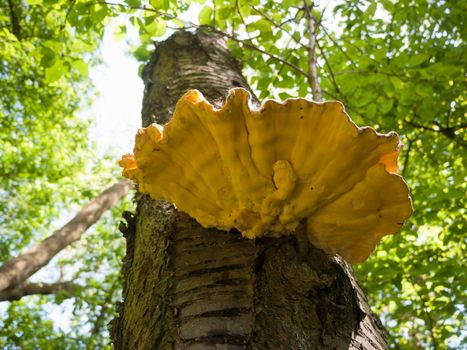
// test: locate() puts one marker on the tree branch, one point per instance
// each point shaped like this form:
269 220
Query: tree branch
68 11
15 27
449 132
331 74
429 320
281 25
99 322
407 157
338 46
15 271
254 47
241 19
38 288
312 71
189 24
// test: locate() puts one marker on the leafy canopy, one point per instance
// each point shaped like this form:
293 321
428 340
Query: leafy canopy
48 165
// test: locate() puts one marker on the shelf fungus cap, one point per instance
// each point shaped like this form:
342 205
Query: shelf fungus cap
262 171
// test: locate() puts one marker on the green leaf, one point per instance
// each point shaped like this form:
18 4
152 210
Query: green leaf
142 53
48 57
386 104
140 69
417 60
371 110
205 15
263 26
284 95
135 3
387 4
160 4
120 33
289 3
370 11
221 23
245 9
223 13
424 90
80 66
157 27
55 72
34 2
99 13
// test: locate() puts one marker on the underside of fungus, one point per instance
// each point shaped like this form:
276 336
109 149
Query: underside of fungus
262 171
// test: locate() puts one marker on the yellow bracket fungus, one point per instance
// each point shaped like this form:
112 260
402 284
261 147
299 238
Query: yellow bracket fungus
264 170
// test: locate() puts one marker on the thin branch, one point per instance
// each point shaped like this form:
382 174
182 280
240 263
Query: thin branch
407 157
449 132
15 27
278 74
336 44
280 25
419 126
429 320
331 73
312 70
214 13
401 76
100 319
241 19
38 289
349 107
254 47
391 34
142 8
291 37
68 11
213 30
17 270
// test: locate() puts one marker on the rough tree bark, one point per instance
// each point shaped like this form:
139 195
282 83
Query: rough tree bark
186 287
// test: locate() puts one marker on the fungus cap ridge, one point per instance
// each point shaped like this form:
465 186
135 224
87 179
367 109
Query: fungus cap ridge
264 170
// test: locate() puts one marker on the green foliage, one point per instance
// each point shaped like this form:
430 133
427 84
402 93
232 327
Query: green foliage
48 166
28 327
45 148
396 65
205 16
410 78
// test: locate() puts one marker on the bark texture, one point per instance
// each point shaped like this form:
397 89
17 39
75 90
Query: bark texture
18 269
186 287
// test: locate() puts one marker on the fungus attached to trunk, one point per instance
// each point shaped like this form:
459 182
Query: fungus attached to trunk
262 171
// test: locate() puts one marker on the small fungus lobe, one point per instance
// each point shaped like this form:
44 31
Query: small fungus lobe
262 171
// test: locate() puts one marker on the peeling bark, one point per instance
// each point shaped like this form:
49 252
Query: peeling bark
186 287
186 62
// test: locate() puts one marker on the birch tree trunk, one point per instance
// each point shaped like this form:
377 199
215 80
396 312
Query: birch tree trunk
186 287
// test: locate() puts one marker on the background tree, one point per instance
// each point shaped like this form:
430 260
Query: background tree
48 166
396 65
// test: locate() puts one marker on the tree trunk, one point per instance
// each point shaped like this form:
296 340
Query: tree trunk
186 287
